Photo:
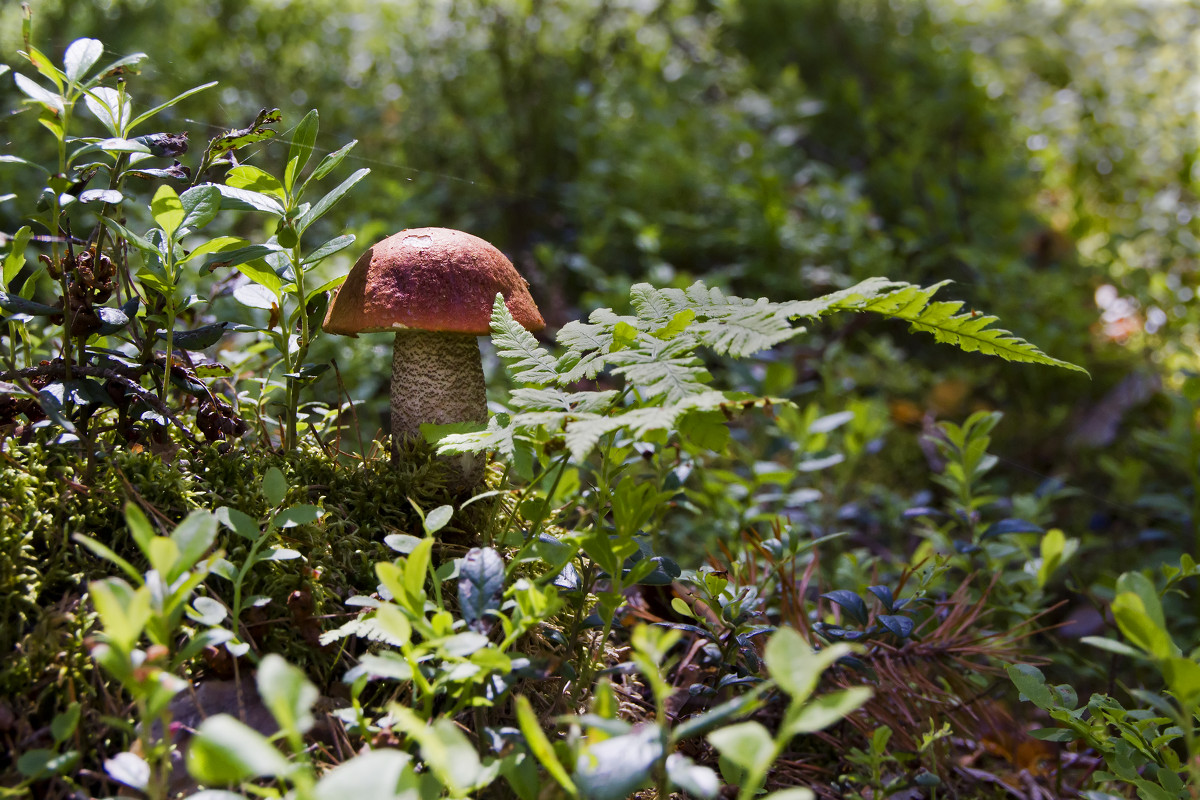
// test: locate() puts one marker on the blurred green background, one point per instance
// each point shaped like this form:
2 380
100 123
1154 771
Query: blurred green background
1041 154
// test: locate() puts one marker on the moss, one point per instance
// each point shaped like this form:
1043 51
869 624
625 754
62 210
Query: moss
46 498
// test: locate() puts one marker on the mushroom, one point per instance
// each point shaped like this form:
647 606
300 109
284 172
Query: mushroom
434 288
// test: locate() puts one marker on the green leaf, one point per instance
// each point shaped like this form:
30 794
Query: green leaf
1032 683
334 245
794 793
42 763
274 486
617 767
44 66
123 610
746 744
193 537
1141 627
298 515
199 338
239 522
827 709
253 179
416 570
373 775
392 621
288 693
81 56
445 749
668 370
40 95
706 429
200 206
167 209
226 751
539 745
235 199
1183 679
437 519
241 137
105 552
111 107
63 726
480 586
329 163
303 139
258 271
137 241
327 202
528 361
15 304
696 780
139 527
794 665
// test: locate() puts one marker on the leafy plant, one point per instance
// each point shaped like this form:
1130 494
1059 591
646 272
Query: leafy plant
1152 748
151 607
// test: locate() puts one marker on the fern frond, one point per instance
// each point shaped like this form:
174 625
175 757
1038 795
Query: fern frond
529 361
843 299
725 324
558 400
968 331
662 369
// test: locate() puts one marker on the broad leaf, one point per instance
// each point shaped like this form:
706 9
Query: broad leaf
480 585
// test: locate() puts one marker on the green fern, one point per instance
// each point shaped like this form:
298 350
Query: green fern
968 331
655 350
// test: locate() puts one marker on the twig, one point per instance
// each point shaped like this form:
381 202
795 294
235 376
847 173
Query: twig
58 370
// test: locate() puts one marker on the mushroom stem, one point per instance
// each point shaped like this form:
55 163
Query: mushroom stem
438 378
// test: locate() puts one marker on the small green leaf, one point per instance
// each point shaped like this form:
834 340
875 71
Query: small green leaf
416 569
480 585
327 202
437 519
235 199
81 56
373 775
303 139
298 515
63 726
14 260
123 610
167 209
162 106
274 486
827 709
239 523
330 162
334 245
539 745
200 205
288 693
226 751
392 621
254 179
794 665
1141 627
746 744
1032 683
194 536
38 94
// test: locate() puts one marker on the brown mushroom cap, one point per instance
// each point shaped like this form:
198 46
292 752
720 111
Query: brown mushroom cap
431 279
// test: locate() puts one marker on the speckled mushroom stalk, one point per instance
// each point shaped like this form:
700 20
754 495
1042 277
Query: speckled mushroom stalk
434 289
437 378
